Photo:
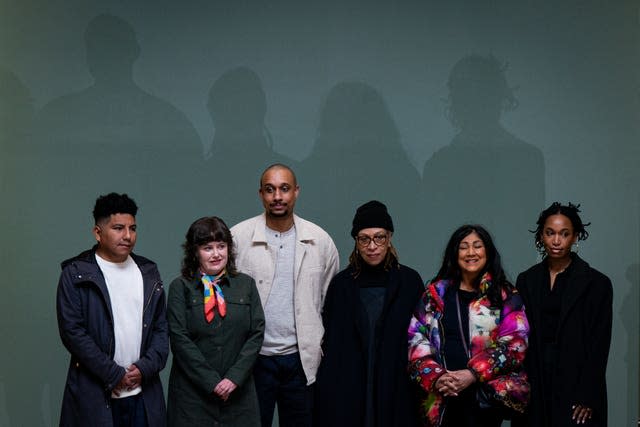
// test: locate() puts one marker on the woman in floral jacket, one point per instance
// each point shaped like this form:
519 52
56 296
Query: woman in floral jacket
468 336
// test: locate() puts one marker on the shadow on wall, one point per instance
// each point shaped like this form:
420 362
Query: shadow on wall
115 114
629 315
358 157
115 136
25 327
16 118
242 146
111 136
485 175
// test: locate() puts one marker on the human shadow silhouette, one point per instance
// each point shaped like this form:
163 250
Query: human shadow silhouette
358 157
115 113
485 175
16 117
109 136
242 146
629 316
115 136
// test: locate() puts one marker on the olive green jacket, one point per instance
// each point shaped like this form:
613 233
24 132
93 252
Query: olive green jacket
205 353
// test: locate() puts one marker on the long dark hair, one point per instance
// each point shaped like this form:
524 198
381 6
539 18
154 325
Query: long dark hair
450 269
202 231
570 211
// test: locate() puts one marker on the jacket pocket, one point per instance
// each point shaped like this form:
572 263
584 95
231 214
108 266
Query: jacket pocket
197 324
239 313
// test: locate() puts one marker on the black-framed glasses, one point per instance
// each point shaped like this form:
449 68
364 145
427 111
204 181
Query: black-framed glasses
378 239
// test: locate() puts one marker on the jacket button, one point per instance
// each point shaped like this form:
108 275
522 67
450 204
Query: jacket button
145 325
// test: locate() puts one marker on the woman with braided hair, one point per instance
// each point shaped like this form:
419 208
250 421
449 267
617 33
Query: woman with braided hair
569 305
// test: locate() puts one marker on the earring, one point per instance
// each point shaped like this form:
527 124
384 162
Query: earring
577 247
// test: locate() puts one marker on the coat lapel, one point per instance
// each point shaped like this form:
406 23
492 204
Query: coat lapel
301 250
94 274
576 285
393 286
352 293
535 284
147 283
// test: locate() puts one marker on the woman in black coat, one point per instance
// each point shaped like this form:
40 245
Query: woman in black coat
569 307
362 379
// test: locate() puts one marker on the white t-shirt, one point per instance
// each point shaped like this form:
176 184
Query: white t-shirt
126 292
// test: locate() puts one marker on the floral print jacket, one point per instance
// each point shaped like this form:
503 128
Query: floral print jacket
498 345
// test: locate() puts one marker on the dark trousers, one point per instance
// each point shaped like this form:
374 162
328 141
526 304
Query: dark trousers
129 412
463 411
281 380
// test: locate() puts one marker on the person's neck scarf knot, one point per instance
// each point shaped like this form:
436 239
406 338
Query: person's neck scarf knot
213 295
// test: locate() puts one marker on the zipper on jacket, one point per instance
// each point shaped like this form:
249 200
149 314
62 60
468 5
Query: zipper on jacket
155 289
106 301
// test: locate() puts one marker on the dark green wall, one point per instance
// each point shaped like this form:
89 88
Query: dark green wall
449 112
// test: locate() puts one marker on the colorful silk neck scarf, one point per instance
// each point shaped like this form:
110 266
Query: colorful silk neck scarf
213 296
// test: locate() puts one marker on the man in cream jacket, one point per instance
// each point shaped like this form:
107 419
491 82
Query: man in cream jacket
292 261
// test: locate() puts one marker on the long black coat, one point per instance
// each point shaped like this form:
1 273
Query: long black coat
583 339
341 384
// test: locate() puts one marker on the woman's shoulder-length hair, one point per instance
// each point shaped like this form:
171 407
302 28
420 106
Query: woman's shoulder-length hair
205 230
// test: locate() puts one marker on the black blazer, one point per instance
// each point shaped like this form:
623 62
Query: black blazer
583 339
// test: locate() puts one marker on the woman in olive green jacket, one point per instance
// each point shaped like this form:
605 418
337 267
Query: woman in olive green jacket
216 326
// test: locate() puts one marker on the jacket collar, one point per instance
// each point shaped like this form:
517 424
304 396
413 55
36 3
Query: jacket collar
85 263
90 257
442 285
577 283
196 282
394 284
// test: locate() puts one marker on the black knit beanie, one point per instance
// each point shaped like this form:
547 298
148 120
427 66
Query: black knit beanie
372 214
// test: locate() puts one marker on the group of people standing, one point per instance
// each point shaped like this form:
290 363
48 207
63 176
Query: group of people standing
261 317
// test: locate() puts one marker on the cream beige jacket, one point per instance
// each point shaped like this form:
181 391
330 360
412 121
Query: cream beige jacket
316 262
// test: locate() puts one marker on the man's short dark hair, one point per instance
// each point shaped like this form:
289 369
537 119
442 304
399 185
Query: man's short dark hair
113 203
